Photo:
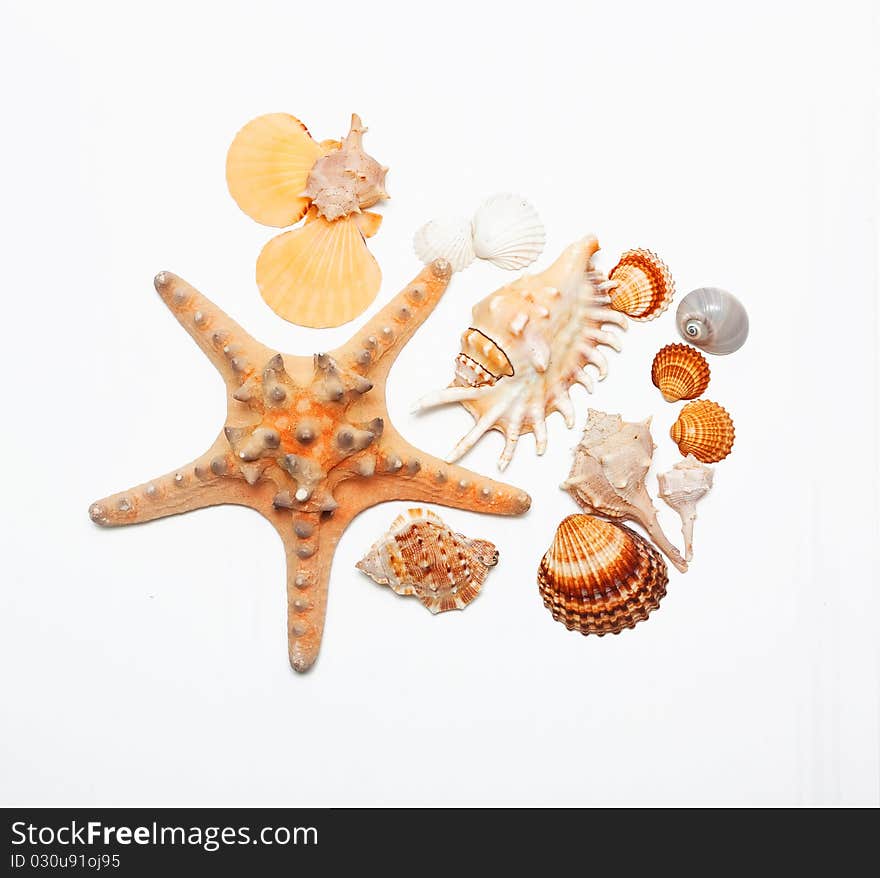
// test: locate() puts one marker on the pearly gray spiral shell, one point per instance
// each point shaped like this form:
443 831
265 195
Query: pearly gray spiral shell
713 319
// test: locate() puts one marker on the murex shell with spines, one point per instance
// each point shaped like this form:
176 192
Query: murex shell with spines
704 429
420 555
680 372
599 577
608 474
681 489
546 328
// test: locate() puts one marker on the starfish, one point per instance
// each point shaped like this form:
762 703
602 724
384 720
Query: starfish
307 443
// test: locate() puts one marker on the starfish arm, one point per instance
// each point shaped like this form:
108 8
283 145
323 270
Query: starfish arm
195 486
309 544
405 473
235 355
373 350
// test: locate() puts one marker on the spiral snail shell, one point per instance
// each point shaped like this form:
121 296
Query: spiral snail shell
713 319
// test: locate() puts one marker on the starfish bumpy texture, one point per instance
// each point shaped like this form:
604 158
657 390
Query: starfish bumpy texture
307 443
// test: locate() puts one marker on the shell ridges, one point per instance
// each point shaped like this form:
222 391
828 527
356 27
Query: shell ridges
704 429
599 577
643 285
680 372
420 555
508 232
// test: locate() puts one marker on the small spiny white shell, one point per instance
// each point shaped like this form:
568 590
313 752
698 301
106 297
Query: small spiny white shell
682 488
508 232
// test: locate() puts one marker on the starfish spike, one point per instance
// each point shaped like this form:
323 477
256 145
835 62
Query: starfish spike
307 443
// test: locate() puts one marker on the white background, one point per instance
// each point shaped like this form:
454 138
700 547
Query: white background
147 666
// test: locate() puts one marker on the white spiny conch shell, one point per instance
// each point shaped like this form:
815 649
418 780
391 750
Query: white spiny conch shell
608 474
527 344
450 239
713 319
681 488
421 556
508 232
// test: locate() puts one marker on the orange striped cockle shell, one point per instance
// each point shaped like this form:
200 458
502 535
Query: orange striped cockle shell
421 556
599 577
527 344
705 430
320 273
643 285
680 372
608 475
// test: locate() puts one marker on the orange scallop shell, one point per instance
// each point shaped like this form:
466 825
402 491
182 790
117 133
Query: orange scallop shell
705 430
680 372
599 577
644 285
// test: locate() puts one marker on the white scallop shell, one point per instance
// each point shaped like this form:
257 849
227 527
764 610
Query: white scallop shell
508 232
450 239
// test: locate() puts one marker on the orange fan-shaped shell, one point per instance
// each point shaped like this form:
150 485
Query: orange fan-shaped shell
680 372
644 285
705 430
599 577
267 167
319 274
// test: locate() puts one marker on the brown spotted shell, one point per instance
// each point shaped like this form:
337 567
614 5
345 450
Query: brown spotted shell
680 372
644 285
599 577
705 430
420 555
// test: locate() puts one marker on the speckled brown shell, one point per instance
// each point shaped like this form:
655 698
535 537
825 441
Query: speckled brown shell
705 430
680 372
421 556
599 577
644 285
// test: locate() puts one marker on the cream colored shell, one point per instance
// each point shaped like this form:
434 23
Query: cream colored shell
549 328
505 230
419 555
682 488
608 474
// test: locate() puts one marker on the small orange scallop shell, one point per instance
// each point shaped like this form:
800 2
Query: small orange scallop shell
599 577
680 372
644 285
705 430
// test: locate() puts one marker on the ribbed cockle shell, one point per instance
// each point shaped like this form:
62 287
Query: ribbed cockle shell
608 475
599 577
421 556
705 430
680 372
532 339
681 489
643 285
